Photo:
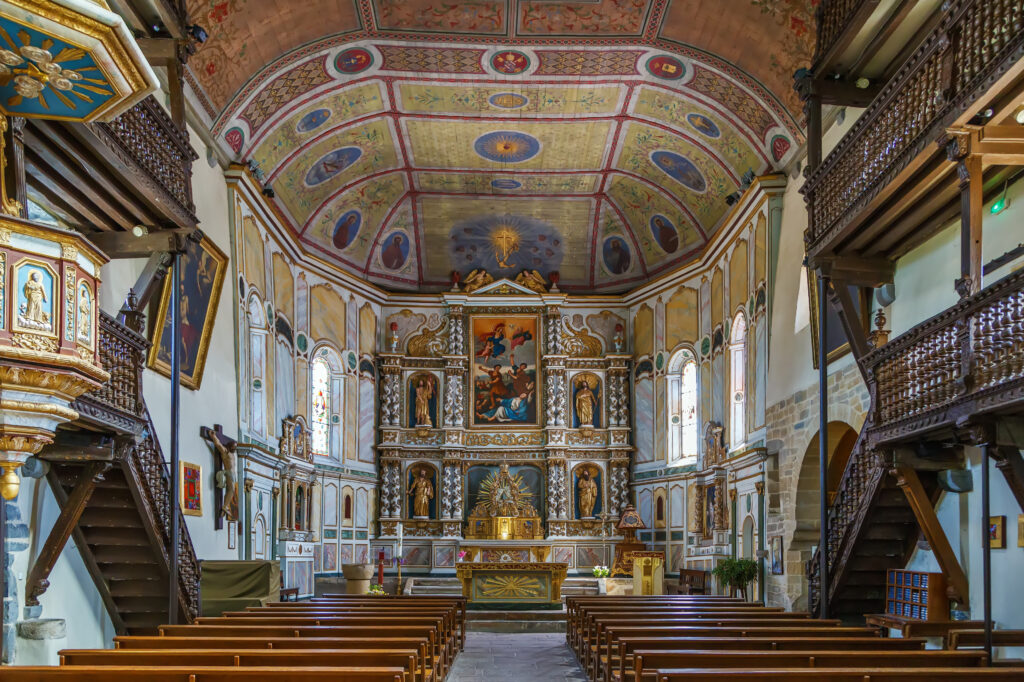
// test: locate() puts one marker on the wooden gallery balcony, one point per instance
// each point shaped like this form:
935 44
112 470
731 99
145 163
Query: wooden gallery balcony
888 185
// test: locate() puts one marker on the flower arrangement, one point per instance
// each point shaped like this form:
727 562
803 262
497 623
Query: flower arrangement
602 571
462 554
376 590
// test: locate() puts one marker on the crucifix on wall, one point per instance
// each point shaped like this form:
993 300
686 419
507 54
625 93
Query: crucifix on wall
225 493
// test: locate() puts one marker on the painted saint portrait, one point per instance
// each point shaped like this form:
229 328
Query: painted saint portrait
703 125
586 401
346 229
505 377
35 296
616 255
680 168
203 266
331 164
394 250
665 233
423 400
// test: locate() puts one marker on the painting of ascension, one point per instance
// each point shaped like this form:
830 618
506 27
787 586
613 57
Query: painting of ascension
505 376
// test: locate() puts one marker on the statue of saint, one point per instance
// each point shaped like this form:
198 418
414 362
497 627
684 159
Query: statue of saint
423 490
84 315
586 494
226 479
585 402
35 297
424 392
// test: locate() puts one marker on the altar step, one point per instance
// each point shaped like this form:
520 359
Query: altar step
515 621
436 586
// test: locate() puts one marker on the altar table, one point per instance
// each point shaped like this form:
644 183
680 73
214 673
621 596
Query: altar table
511 584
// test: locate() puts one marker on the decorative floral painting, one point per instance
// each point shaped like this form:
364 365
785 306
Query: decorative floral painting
202 276
505 376
191 477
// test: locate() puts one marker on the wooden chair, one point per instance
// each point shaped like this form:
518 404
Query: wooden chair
691 581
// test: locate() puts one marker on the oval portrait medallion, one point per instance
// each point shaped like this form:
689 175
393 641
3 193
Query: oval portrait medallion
680 168
312 120
331 164
346 229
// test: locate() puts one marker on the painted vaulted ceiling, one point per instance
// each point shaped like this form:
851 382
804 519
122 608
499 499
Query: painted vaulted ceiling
406 139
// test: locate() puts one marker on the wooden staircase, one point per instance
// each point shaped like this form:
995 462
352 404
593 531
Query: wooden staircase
113 493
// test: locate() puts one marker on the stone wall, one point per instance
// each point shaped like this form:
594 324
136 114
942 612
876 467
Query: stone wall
792 425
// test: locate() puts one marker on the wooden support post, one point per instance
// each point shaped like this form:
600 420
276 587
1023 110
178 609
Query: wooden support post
924 512
823 581
986 551
814 132
172 501
71 511
971 183
1011 464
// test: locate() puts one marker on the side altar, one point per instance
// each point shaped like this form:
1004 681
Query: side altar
509 584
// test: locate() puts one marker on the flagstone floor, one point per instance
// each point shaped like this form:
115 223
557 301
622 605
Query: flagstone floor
516 657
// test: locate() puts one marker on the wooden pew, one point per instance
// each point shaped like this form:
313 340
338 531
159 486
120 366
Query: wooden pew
197 674
845 675
424 662
364 658
621 657
646 662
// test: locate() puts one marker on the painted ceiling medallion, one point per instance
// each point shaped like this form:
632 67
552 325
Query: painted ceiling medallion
666 67
703 125
74 60
505 243
312 120
331 164
510 62
508 100
665 233
506 183
346 229
354 60
506 146
681 169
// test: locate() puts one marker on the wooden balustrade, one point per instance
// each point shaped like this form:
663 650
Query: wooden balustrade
974 43
145 137
833 18
118 404
967 358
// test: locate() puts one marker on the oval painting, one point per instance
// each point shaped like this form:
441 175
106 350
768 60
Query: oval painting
505 183
680 168
394 250
346 229
506 146
616 255
508 100
331 164
312 120
665 233
703 125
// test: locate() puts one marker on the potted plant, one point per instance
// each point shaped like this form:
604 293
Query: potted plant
736 574
376 590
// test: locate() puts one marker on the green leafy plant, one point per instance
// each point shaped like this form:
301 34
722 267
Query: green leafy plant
736 573
376 590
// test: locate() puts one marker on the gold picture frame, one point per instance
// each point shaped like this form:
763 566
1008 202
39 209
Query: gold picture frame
190 488
1020 530
863 303
495 340
200 298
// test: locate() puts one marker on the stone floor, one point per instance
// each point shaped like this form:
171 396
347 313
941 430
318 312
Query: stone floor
517 657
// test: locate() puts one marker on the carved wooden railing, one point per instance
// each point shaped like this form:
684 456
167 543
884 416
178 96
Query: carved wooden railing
118 404
144 463
966 359
975 42
146 138
857 489
833 18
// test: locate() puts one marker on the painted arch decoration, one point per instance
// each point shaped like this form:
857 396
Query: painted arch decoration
402 162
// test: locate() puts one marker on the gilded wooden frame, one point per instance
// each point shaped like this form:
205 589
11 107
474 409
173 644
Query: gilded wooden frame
193 379
184 467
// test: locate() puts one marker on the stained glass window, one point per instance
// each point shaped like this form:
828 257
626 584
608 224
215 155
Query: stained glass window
688 417
320 415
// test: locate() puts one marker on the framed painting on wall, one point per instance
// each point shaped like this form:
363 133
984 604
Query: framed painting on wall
506 380
203 267
837 344
1020 530
191 477
997 532
777 565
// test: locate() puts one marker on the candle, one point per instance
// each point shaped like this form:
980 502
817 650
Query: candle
400 539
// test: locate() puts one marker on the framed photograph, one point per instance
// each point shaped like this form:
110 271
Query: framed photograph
1020 530
997 532
191 486
836 344
203 267
778 568
506 380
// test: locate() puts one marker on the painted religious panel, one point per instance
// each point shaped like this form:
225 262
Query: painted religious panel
505 371
203 266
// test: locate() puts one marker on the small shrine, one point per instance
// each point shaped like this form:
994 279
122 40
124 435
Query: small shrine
504 511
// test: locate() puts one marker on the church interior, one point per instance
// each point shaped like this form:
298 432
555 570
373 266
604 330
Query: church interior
672 340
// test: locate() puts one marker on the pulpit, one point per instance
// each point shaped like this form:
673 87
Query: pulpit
629 523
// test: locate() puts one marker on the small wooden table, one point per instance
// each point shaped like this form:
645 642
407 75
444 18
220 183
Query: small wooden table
512 584
910 627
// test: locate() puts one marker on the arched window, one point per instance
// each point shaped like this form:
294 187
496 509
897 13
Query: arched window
684 425
320 416
258 334
738 379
